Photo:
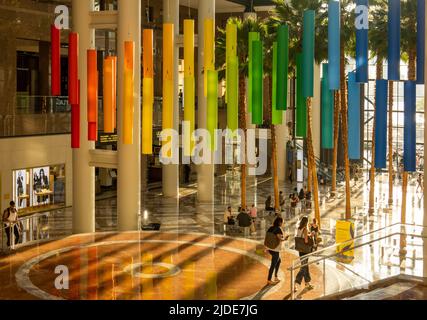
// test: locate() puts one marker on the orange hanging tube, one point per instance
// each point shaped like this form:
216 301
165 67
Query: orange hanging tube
92 94
128 97
108 95
147 92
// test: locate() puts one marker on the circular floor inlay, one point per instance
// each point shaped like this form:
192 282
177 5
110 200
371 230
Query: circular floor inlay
195 266
172 270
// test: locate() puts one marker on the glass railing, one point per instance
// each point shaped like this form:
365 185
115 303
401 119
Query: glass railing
31 229
381 254
47 115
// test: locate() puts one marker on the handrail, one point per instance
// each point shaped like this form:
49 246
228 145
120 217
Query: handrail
349 245
318 253
33 227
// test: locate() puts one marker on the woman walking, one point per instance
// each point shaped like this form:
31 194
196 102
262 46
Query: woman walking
277 231
304 272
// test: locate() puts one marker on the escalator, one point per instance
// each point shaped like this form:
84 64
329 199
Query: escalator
322 170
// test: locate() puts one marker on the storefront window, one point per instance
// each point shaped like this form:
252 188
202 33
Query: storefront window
39 189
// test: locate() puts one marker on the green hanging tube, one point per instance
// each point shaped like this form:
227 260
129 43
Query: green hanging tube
212 105
233 93
308 53
282 67
301 112
276 115
252 37
327 111
230 51
257 83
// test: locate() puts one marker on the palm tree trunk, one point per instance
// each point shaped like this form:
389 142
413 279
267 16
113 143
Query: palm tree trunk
411 77
275 173
344 127
390 143
273 147
312 162
337 110
242 125
372 170
309 177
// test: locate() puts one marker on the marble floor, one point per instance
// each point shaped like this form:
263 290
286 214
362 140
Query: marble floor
193 251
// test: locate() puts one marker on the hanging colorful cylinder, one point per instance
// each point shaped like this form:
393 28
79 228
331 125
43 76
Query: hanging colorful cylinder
257 83
114 58
252 37
327 110
108 94
394 40
73 68
128 96
232 77
189 86
92 94
421 40
147 92
410 130
334 44
381 124
353 117
55 35
168 80
212 106
75 121
209 50
301 112
230 51
276 115
362 43
282 67
308 54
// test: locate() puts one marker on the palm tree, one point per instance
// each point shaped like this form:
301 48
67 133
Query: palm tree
243 29
409 49
340 99
378 48
291 13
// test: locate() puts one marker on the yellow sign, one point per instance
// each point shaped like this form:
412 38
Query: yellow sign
344 237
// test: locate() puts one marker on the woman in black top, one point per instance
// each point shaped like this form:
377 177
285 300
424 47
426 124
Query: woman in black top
304 272
275 253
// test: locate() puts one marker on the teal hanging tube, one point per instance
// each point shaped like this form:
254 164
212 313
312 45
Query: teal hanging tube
308 54
282 67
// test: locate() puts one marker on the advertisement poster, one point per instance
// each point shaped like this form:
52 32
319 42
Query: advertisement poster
345 235
41 186
22 199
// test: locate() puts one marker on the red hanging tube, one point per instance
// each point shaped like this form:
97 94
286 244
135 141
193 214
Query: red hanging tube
92 94
75 122
55 35
73 68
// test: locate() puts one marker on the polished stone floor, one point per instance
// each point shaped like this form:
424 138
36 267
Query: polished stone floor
193 251
144 265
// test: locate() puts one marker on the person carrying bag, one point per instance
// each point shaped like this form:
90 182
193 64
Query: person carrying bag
273 244
304 245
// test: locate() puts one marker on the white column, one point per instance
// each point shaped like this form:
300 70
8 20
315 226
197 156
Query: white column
83 174
129 156
205 173
170 173
316 112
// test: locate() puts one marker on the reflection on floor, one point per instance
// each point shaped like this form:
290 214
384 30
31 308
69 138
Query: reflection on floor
146 266
125 269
